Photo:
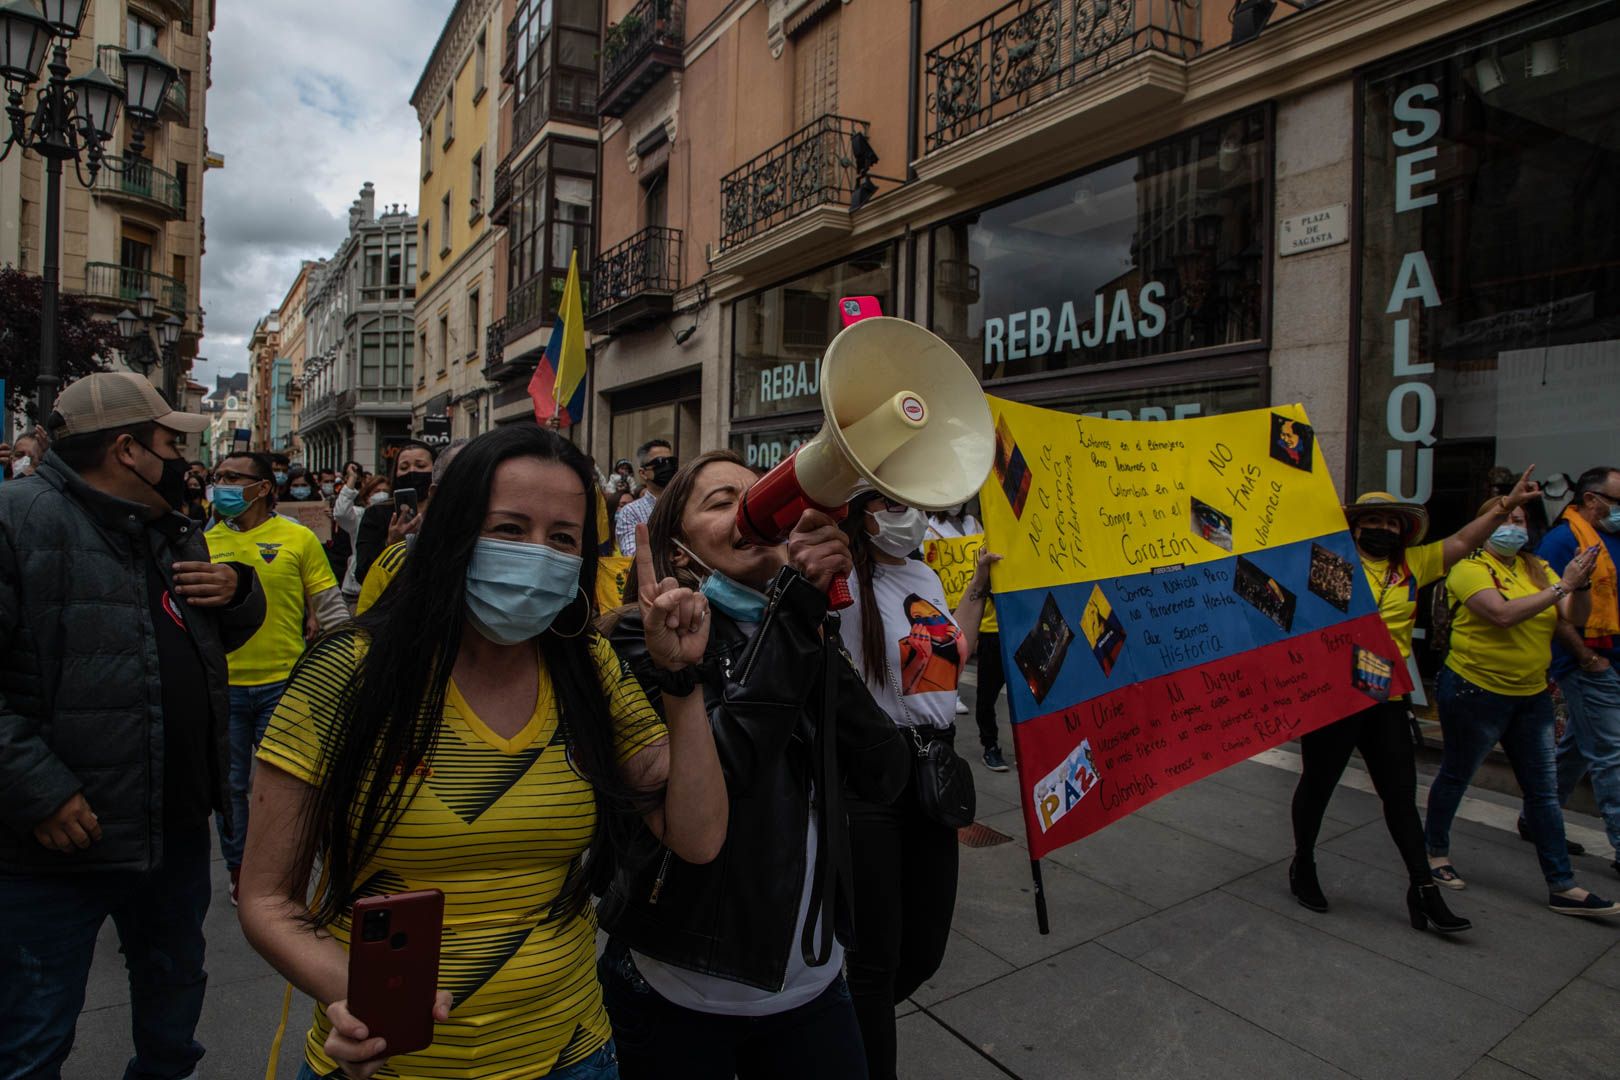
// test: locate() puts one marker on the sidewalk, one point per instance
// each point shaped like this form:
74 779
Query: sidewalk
1176 951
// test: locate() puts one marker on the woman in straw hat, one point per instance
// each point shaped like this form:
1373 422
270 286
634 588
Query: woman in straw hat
1389 537
1505 607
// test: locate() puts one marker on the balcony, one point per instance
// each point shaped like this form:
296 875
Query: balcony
810 169
123 285
1033 50
138 181
501 204
634 284
526 307
497 368
327 407
640 49
110 58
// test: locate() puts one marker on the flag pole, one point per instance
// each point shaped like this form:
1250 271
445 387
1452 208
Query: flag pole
1040 897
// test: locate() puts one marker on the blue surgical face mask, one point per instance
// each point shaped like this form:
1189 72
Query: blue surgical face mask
1611 523
515 590
230 500
299 493
1508 539
733 598
281 477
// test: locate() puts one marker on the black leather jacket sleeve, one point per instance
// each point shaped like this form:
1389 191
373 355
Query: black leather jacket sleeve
757 699
241 618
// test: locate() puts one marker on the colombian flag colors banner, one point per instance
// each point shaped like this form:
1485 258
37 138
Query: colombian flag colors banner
1175 597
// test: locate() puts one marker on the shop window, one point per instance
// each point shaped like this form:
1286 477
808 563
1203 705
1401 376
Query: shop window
668 409
778 335
1488 335
1156 256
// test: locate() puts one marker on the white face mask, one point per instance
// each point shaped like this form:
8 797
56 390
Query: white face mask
378 497
900 532
22 465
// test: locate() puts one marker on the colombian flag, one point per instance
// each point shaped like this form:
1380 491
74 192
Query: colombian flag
558 385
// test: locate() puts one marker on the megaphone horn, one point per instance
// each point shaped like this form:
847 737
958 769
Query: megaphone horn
881 433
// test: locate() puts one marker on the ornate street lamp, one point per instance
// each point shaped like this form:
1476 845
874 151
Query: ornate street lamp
138 331
73 119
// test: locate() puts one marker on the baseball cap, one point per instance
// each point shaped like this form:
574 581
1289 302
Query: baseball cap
115 399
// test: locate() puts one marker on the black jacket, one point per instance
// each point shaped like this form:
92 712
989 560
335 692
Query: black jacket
81 700
735 917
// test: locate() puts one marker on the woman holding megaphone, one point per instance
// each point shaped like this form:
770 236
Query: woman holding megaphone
733 968
903 638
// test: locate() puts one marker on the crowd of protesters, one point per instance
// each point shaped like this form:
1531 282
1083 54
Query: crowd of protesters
718 775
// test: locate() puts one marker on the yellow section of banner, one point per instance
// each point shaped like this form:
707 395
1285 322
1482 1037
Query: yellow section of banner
1072 498
954 560
611 572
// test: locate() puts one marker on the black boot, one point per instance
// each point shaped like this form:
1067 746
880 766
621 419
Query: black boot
1303 884
1428 909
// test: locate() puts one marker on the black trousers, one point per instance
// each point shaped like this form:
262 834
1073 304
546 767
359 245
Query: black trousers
992 678
905 894
1384 737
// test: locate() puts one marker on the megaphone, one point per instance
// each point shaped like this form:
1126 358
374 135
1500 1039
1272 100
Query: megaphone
904 417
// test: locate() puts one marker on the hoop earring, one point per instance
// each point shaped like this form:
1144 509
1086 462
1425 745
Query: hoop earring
583 623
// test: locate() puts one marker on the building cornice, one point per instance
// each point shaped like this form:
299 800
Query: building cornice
449 53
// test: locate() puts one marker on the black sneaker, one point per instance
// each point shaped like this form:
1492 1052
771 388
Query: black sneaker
1574 848
1593 904
993 759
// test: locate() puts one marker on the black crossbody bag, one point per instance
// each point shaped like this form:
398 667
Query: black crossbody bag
943 780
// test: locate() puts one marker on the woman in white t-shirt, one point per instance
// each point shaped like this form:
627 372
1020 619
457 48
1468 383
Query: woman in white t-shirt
902 637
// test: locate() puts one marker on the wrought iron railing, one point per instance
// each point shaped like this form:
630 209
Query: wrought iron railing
648 25
139 178
526 306
1031 49
650 261
812 167
494 345
501 203
109 281
110 58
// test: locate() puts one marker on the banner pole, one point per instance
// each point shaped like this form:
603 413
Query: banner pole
1040 897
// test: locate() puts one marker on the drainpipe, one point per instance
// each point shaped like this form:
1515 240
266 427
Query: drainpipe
914 67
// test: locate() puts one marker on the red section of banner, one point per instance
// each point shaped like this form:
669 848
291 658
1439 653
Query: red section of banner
1093 763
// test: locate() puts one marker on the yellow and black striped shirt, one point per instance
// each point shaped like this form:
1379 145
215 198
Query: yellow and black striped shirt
495 824
381 575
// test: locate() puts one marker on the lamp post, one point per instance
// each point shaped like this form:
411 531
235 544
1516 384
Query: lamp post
137 327
73 119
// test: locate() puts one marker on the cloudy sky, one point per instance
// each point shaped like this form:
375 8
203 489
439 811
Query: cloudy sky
310 100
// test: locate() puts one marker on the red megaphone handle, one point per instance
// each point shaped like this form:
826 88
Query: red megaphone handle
838 595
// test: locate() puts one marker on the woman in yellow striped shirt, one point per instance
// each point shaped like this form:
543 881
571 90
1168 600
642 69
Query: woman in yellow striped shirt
472 734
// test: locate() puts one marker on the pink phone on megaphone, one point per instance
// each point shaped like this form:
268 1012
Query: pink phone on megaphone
855 308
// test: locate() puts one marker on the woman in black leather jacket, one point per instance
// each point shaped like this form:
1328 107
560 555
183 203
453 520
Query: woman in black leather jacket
733 968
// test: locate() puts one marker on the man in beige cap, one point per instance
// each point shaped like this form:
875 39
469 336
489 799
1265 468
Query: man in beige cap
113 705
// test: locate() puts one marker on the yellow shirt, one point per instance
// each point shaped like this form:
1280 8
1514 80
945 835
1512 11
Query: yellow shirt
1514 661
383 571
496 825
292 568
1395 588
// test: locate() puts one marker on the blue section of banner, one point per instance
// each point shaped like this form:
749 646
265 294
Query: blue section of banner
1072 643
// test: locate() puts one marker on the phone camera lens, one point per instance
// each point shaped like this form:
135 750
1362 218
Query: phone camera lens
374 926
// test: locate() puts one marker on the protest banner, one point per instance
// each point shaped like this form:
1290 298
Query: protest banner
315 516
954 559
1176 597
611 572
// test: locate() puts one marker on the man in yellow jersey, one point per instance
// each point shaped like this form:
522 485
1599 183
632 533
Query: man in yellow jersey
297 579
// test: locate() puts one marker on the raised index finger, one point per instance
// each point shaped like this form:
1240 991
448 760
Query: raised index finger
646 579
1525 479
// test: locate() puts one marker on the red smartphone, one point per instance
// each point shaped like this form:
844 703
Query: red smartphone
394 967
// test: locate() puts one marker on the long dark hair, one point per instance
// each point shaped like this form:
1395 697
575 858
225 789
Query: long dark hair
388 716
874 650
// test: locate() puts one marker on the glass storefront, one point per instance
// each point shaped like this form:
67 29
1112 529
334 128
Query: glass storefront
777 337
1489 319
1157 256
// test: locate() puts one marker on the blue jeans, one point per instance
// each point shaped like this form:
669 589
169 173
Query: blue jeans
251 707
1591 743
1474 719
602 1065
48 927
659 1040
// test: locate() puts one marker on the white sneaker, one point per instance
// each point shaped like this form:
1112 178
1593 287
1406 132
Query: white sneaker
961 707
